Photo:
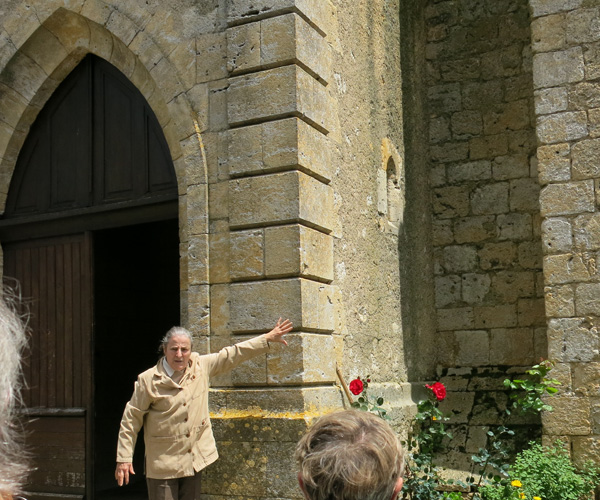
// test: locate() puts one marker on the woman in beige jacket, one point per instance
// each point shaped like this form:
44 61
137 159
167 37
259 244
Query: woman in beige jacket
171 401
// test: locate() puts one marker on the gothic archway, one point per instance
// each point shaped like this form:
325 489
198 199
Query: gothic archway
91 233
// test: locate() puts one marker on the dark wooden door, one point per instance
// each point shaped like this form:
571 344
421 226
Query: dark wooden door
95 159
55 276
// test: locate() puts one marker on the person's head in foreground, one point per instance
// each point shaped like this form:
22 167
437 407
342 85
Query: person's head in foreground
350 455
12 342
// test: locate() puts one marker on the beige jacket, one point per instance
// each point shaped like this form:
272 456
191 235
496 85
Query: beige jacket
177 430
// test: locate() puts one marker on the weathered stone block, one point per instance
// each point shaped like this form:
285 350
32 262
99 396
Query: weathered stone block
591 55
287 90
447 290
256 305
509 116
466 124
243 47
530 255
283 198
524 195
211 57
277 41
441 232
451 201
474 229
594 122
451 151
511 346
551 69
473 347
197 254
219 309
557 235
582 26
514 226
583 96
508 286
460 318
475 287
24 75
199 306
570 415
551 100
480 95
439 129
12 106
586 448
488 146
309 402
562 127
299 251
586 156
277 145
554 163
587 299
490 199
445 98
247 254
219 270
569 268
548 33
586 231
511 166
471 171
531 312
545 7
566 199
290 37
460 258
496 316
560 301
321 13
586 383
500 255
572 340
307 359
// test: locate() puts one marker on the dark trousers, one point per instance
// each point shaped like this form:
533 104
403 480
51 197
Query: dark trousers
183 488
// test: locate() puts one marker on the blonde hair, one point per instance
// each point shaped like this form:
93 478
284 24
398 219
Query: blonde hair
350 455
13 339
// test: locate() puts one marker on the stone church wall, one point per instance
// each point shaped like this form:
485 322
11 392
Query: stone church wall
489 285
284 124
565 43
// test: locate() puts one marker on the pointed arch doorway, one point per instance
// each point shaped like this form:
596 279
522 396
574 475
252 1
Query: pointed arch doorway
90 233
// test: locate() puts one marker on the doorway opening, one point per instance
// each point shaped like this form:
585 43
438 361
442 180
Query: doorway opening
136 290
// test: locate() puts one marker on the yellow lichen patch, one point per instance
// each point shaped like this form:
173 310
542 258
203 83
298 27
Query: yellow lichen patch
255 412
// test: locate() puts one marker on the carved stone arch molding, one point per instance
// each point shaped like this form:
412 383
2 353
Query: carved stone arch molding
51 52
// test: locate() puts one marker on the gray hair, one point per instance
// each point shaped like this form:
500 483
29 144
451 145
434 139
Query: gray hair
350 455
13 340
174 332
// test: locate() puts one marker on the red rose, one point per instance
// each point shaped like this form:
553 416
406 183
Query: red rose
438 390
356 386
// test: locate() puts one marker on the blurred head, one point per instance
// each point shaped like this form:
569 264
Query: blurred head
350 455
13 465
177 348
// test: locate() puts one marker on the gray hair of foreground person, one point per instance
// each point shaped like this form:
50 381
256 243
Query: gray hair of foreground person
175 331
350 455
13 339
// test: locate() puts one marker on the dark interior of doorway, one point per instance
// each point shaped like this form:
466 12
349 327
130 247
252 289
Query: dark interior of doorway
136 288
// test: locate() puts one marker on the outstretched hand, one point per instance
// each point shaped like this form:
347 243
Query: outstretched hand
277 333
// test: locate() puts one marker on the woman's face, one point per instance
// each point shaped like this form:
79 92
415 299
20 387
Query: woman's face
178 352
